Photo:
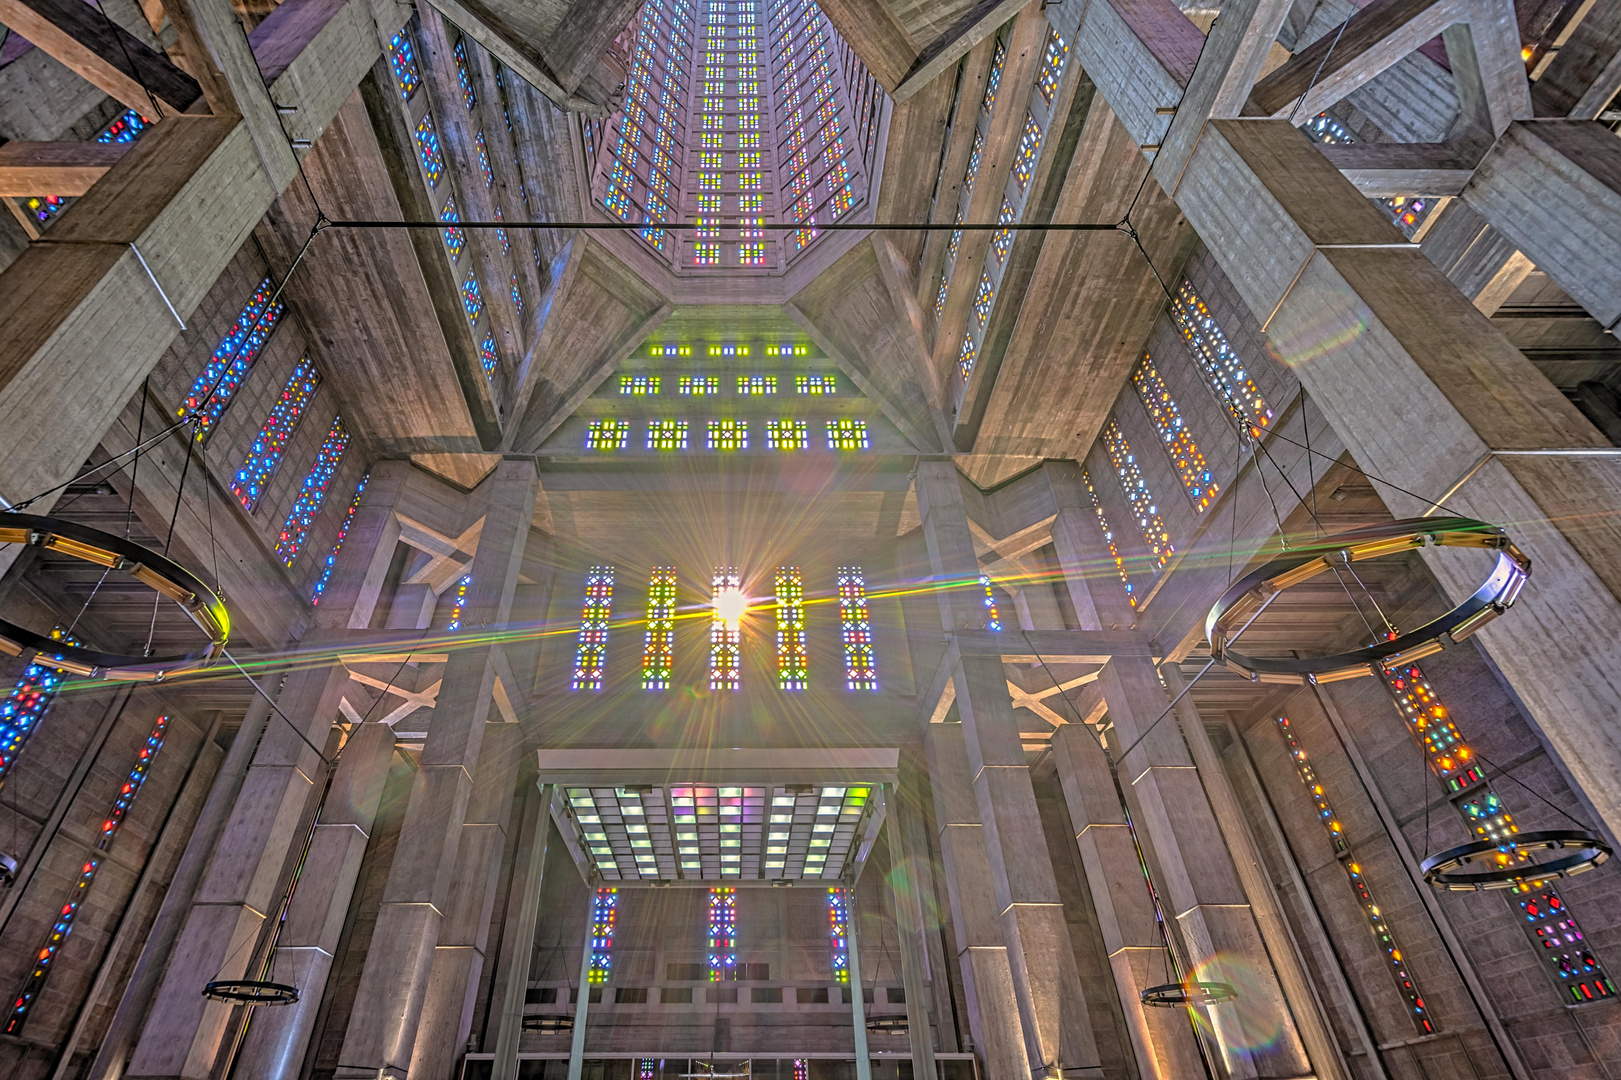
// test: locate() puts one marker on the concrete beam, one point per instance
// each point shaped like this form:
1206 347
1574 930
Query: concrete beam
512 33
877 36
60 168
1382 169
1063 646
976 24
1586 75
93 46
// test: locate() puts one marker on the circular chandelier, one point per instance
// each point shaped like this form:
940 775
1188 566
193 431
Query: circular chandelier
1249 595
157 572
1502 864
1179 995
251 992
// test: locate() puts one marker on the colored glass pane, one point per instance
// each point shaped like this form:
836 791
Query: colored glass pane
639 385
26 705
458 603
658 658
1130 474
846 434
1223 370
403 60
607 434
337 546
725 631
591 654
793 663
666 434
993 618
787 434
484 159
722 934
994 80
222 376
268 449
699 385
1174 435
487 356
464 74
126 129
428 151
296 529
455 239
728 435
1052 66
755 385
472 297
838 930
860 661
1108 538
604 912
1024 159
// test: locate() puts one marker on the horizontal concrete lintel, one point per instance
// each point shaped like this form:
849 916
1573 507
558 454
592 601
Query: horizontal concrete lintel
1201 907
280 948
1071 646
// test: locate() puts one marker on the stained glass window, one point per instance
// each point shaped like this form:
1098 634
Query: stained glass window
786 434
1052 66
472 298
706 254
1108 537
484 159
1178 441
455 239
639 385
296 529
604 910
428 152
127 128
666 434
223 374
464 75
793 663
860 662
1541 911
45 957
994 80
337 546
1002 238
966 358
266 452
45 208
838 929
591 655
846 434
1223 370
814 384
698 385
26 706
517 295
1024 160
488 357
607 434
1130 475
459 603
787 350
722 934
755 385
1359 885
984 297
404 63
1406 212
728 435
658 658
726 631
993 618
975 154
940 297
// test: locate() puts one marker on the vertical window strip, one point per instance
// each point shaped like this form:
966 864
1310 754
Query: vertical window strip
455 239
993 618
1052 66
265 455
860 664
45 958
994 80
1108 537
27 704
459 605
225 371
658 657
1539 909
793 663
343 534
296 529
428 150
1130 475
725 637
604 912
1222 369
403 60
838 918
722 934
464 74
1359 885
1174 435
591 655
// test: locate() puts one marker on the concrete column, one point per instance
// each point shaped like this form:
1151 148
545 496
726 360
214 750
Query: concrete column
1200 887
242 885
582 1004
993 1011
381 1035
858 994
905 878
518 943
1161 1039
277 1038
458 958
1298 985
1058 1032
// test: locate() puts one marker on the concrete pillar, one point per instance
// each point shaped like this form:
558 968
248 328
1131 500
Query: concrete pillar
1298 985
905 880
518 943
277 1038
582 1003
1161 1039
1058 1032
381 1035
458 958
858 993
183 1031
993 1011
1200 888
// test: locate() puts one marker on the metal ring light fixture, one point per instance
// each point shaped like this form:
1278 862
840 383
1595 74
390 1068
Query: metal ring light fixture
1245 598
251 992
161 574
1447 870
1178 995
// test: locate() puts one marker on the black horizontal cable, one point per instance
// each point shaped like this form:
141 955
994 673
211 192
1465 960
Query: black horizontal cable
681 226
